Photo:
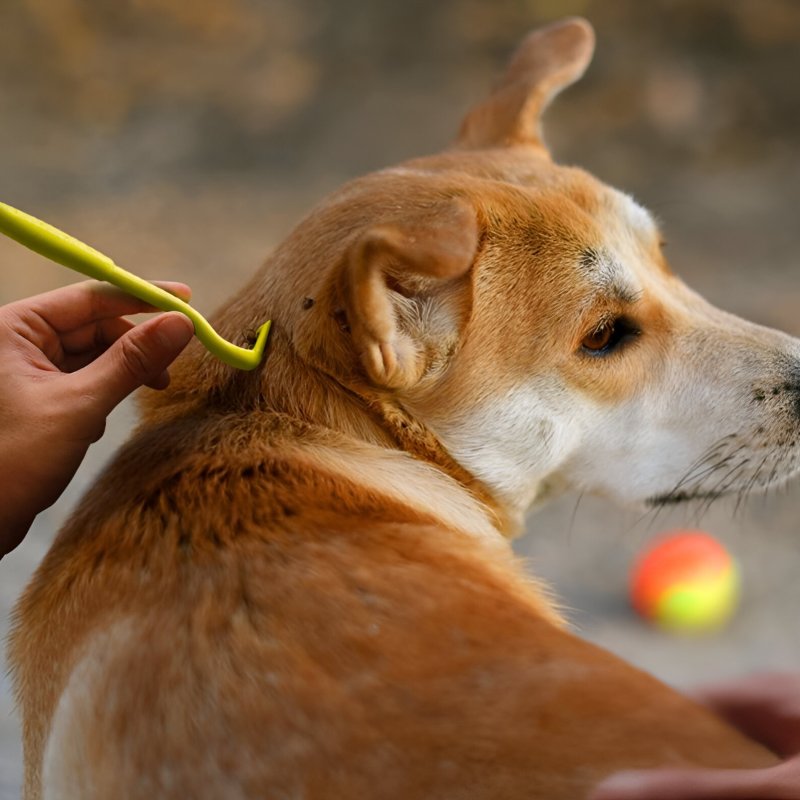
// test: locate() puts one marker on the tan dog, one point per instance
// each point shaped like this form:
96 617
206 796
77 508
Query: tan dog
294 583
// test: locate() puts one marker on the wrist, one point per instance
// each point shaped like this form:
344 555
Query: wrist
13 529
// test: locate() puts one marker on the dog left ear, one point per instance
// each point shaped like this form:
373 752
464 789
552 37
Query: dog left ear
406 302
547 61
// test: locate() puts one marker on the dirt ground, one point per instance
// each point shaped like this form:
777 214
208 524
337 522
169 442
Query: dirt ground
185 139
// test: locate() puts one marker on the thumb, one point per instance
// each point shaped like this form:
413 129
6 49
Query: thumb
137 358
696 784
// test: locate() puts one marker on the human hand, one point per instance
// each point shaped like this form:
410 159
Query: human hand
766 707
67 358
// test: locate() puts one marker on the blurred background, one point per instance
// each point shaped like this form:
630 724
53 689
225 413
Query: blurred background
186 138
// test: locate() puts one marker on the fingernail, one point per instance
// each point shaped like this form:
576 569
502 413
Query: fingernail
174 330
178 289
623 779
617 785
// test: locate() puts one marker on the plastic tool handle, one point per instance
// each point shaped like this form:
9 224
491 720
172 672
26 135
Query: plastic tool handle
63 249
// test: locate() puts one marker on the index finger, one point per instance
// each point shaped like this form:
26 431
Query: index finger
72 307
766 707
699 784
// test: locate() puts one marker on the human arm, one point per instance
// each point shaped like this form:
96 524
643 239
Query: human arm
67 358
766 707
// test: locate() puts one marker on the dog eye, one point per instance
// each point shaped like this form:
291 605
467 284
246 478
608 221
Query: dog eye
607 336
599 339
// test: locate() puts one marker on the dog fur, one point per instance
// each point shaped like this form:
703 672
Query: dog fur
297 583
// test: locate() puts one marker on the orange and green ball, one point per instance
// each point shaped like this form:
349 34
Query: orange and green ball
685 581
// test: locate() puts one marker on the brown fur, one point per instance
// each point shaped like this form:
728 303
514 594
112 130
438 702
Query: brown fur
267 594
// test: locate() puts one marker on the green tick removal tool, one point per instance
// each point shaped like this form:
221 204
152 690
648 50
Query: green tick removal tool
63 249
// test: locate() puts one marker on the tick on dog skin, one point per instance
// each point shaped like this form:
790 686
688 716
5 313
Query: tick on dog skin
340 315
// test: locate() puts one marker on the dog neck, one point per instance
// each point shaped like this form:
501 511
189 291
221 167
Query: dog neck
411 436
379 418
371 435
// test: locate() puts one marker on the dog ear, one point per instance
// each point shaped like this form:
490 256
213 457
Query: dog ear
406 297
547 61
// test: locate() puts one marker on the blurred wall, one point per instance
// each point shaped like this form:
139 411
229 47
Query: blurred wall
187 136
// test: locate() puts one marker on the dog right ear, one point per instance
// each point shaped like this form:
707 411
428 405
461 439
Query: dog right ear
407 301
547 61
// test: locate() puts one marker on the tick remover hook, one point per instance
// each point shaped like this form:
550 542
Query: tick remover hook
64 249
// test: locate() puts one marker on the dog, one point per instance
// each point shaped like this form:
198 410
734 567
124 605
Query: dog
297 582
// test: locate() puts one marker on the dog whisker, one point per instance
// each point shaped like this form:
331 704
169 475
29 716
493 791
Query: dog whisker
724 485
716 451
573 516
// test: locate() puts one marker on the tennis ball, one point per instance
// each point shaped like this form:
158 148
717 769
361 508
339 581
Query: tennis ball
685 581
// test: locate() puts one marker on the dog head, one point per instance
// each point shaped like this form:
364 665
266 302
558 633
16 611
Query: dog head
523 314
